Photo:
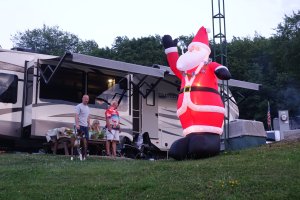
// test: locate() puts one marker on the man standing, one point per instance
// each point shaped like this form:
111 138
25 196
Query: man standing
82 121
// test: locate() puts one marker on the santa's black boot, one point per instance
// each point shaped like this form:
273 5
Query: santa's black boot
203 145
179 149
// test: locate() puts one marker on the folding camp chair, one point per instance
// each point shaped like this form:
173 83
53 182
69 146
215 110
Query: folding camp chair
140 148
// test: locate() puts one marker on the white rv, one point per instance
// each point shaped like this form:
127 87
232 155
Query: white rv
38 92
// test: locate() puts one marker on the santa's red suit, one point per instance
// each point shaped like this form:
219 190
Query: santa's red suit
200 107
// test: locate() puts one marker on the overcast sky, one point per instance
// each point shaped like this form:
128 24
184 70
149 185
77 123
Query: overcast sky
104 20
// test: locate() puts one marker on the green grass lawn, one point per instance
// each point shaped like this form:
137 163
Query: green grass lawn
269 172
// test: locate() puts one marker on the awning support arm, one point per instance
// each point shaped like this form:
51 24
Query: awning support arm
141 83
52 71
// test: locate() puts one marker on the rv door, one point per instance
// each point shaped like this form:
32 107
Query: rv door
26 119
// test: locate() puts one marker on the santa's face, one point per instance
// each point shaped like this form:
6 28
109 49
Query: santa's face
192 58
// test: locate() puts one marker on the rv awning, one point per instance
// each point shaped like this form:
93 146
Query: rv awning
79 60
91 61
243 84
231 82
15 60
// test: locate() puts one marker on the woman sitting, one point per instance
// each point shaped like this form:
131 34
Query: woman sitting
95 130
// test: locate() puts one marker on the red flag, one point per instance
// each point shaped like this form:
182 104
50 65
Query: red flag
269 117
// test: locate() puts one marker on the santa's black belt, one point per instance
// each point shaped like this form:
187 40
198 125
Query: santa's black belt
197 88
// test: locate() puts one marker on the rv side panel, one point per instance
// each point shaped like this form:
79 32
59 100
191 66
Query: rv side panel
10 102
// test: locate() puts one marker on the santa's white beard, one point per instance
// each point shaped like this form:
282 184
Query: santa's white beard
189 60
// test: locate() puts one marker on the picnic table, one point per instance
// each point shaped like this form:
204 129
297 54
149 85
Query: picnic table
60 138
95 146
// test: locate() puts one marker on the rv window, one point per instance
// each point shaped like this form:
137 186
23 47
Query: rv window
99 83
150 100
107 87
8 88
66 84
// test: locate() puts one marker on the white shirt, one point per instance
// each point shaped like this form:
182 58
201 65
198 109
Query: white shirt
83 112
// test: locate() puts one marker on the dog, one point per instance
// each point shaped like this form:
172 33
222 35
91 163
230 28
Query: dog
78 141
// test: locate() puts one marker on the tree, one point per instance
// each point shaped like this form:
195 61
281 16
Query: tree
51 40
144 51
89 47
286 60
249 60
272 62
104 53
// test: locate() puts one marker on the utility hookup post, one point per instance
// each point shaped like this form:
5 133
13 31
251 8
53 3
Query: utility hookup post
166 144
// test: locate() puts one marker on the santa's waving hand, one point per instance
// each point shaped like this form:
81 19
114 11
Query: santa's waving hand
200 107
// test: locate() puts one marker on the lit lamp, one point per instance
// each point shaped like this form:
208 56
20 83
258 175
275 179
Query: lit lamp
110 82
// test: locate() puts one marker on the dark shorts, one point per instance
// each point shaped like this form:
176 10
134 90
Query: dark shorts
85 129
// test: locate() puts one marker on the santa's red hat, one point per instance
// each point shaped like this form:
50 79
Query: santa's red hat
201 39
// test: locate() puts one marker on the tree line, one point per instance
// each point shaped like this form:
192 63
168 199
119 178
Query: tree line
273 62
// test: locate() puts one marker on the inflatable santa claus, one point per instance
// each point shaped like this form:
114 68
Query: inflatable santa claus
200 107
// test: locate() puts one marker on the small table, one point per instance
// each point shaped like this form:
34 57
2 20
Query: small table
96 146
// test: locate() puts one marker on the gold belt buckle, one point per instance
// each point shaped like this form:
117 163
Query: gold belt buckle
187 88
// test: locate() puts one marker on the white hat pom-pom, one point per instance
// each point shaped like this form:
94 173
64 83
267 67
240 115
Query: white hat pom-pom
208 30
